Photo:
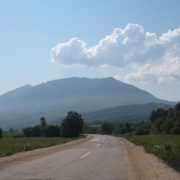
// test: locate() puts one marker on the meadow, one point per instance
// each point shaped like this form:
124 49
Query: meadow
10 145
166 147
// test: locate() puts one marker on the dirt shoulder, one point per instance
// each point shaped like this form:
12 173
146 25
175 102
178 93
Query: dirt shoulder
144 166
37 153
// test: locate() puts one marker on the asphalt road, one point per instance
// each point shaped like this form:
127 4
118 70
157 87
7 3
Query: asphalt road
101 158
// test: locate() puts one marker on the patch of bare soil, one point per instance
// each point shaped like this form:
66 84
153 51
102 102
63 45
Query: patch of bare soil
37 153
144 166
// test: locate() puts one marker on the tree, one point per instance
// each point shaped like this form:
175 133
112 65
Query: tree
72 125
176 128
28 132
1 133
37 131
52 131
43 121
153 116
142 128
177 107
107 128
43 125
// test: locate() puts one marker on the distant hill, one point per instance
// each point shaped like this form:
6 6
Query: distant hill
25 105
126 113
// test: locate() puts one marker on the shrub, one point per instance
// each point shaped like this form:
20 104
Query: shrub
1 133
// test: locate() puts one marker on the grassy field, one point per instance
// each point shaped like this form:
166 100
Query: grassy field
166 147
10 145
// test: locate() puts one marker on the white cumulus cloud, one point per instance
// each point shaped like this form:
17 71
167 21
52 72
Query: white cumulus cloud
155 58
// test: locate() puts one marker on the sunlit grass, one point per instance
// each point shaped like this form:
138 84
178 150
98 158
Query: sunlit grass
166 147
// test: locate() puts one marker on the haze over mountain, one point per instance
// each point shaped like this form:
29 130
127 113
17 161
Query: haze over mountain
25 105
124 113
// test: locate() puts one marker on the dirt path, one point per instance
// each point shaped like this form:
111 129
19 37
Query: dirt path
144 166
30 155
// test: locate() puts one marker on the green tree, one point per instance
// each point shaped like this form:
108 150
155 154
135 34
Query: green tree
177 107
43 121
43 125
1 133
176 128
52 131
28 132
153 116
107 128
72 125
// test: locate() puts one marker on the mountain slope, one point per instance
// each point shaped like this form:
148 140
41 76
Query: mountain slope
24 106
126 113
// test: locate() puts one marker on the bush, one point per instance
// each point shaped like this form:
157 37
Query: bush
19 135
107 128
142 129
176 128
1 133
52 131
177 107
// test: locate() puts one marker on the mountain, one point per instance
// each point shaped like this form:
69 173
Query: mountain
25 105
126 113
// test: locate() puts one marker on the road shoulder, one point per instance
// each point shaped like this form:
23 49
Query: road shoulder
37 153
144 166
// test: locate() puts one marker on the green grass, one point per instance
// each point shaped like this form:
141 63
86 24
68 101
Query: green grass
166 147
10 145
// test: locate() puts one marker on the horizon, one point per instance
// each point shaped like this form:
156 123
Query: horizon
47 40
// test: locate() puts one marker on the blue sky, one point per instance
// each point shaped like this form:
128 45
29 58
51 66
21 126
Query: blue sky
30 29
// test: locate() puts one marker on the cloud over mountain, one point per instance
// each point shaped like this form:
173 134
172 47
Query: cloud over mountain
154 58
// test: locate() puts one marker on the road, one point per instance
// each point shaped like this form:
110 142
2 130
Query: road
101 158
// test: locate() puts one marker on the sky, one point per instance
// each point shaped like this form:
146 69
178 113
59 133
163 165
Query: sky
137 42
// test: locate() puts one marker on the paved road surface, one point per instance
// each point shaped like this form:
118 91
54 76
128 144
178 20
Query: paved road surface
101 158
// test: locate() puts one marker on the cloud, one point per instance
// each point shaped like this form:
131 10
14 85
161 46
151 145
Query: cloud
162 72
155 58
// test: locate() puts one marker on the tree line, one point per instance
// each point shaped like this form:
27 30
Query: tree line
161 121
70 127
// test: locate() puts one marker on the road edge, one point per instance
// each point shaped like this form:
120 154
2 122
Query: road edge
38 153
145 166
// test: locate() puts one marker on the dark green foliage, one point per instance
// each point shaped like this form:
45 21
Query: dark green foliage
166 121
161 121
72 125
177 107
91 129
37 131
43 121
28 132
1 133
52 131
142 129
18 135
107 128
42 130
176 128
123 128
153 116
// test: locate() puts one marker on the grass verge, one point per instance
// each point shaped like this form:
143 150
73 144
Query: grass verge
166 147
10 145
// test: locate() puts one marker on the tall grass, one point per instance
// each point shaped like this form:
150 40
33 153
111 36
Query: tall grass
166 147
10 145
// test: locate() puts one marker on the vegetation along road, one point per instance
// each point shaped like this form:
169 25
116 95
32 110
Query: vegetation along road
98 157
